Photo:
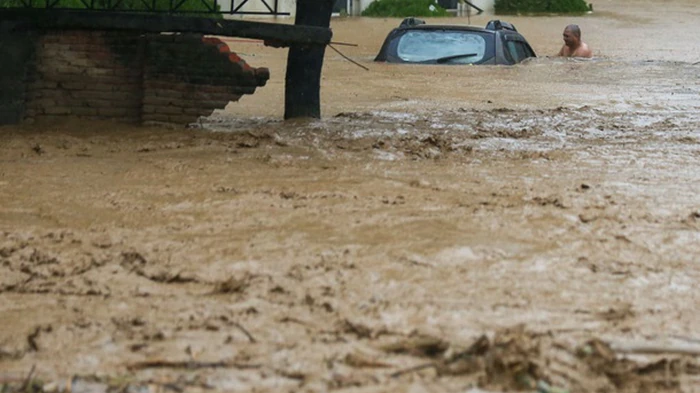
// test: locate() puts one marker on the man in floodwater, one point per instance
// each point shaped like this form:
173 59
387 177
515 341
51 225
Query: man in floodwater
573 46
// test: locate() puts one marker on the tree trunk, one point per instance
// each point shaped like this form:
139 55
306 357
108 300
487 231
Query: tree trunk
302 92
16 50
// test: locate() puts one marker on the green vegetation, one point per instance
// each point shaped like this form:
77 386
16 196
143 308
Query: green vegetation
404 8
124 5
540 6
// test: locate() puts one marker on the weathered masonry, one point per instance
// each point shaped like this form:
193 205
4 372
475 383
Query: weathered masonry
121 66
127 76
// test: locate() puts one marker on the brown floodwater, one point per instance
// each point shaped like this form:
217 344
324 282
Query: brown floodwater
440 229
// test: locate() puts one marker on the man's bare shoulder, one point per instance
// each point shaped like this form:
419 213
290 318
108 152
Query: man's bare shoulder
583 51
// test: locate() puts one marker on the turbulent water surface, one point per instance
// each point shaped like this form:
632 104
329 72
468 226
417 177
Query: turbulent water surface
441 229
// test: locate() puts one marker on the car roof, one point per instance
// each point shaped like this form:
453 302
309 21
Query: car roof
492 26
447 27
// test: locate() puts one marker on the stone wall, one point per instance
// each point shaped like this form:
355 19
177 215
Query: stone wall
133 77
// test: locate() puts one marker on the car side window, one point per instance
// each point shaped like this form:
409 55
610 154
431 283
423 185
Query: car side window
518 50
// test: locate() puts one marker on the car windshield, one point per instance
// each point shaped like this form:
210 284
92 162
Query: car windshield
442 46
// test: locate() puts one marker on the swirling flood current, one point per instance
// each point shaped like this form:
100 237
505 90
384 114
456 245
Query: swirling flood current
550 208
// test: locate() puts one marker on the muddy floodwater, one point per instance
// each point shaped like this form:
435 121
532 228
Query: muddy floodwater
440 229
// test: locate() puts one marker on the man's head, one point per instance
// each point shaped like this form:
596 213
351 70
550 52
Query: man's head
572 36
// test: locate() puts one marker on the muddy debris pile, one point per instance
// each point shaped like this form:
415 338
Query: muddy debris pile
520 360
510 360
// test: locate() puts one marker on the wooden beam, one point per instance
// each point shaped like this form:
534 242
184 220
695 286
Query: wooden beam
21 19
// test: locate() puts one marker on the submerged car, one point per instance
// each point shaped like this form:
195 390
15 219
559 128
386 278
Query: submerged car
414 41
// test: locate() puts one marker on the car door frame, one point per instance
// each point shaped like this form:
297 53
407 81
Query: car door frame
516 37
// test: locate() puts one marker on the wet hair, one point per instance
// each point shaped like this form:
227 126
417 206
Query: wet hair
575 30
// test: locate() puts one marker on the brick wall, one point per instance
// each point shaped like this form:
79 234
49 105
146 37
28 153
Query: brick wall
133 77
180 85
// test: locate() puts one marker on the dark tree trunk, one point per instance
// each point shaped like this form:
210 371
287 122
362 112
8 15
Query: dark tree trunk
302 93
16 51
